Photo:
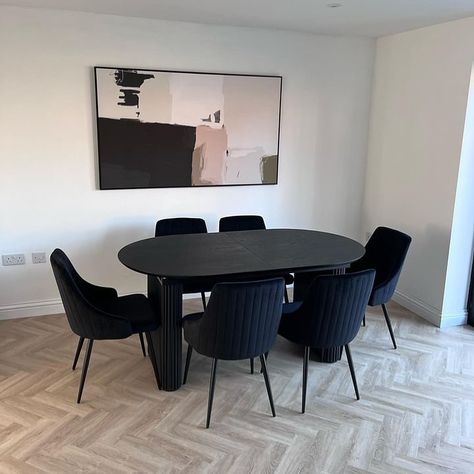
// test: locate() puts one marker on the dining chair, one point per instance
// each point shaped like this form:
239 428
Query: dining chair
329 316
185 225
385 251
250 222
244 222
98 313
240 322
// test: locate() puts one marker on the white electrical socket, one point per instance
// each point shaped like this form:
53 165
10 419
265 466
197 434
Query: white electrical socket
13 259
38 257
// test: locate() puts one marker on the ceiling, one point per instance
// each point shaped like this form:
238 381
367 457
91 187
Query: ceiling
354 17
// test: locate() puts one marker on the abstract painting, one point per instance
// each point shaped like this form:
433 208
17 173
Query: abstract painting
177 129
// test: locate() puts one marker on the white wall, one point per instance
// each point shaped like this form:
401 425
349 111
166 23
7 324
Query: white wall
49 196
421 86
458 272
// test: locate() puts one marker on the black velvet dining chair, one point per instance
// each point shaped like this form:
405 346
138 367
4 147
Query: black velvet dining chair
240 322
244 222
385 252
329 316
185 225
98 313
250 222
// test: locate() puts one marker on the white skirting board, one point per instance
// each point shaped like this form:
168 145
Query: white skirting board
45 307
430 313
32 308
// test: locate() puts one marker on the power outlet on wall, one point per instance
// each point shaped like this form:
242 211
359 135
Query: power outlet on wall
13 259
38 257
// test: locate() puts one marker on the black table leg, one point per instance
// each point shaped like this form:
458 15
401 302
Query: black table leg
326 355
166 296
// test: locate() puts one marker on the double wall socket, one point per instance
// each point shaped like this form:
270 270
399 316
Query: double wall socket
19 258
13 259
38 257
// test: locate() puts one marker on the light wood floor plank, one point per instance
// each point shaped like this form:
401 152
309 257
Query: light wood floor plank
416 412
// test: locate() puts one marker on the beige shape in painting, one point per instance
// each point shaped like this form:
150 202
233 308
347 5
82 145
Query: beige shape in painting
243 166
195 98
269 169
209 156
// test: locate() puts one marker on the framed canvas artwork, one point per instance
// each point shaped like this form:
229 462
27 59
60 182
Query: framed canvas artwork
177 129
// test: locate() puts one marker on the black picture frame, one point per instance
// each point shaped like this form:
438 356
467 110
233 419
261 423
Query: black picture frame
114 143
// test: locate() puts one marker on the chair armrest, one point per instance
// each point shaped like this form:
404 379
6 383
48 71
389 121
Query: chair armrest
387 281
96 293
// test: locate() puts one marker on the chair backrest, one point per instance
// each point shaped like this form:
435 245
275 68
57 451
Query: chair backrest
241 319
332 312
85 319
385 252
235 223
180 225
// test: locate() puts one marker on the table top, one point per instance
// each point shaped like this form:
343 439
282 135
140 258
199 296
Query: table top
243 253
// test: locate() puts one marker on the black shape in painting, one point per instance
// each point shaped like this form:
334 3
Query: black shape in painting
216 115
138 154
129 97
131 78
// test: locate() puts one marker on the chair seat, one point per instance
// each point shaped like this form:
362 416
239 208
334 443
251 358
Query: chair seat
289 328
289 308
382 294
136 309
192 317
190 324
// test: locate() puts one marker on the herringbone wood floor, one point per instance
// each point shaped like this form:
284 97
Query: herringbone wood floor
416 413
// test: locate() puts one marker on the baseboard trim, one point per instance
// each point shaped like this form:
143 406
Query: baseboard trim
431 314
425 311
31 308
454 319
54 306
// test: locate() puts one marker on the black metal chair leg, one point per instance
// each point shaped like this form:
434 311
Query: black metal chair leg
152 354
78 352
142 343
389 324
261 366
267 383
363 321
252 366
351 368
188 361
84 369
212 384
203 298
287 300
307 351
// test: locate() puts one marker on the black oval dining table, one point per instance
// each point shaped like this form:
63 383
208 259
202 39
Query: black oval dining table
226 256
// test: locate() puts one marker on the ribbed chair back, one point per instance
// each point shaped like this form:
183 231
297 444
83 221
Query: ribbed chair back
235 223
241 320
180 225
332 312
84 317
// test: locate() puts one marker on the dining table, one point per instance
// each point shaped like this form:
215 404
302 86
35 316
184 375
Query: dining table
171 261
